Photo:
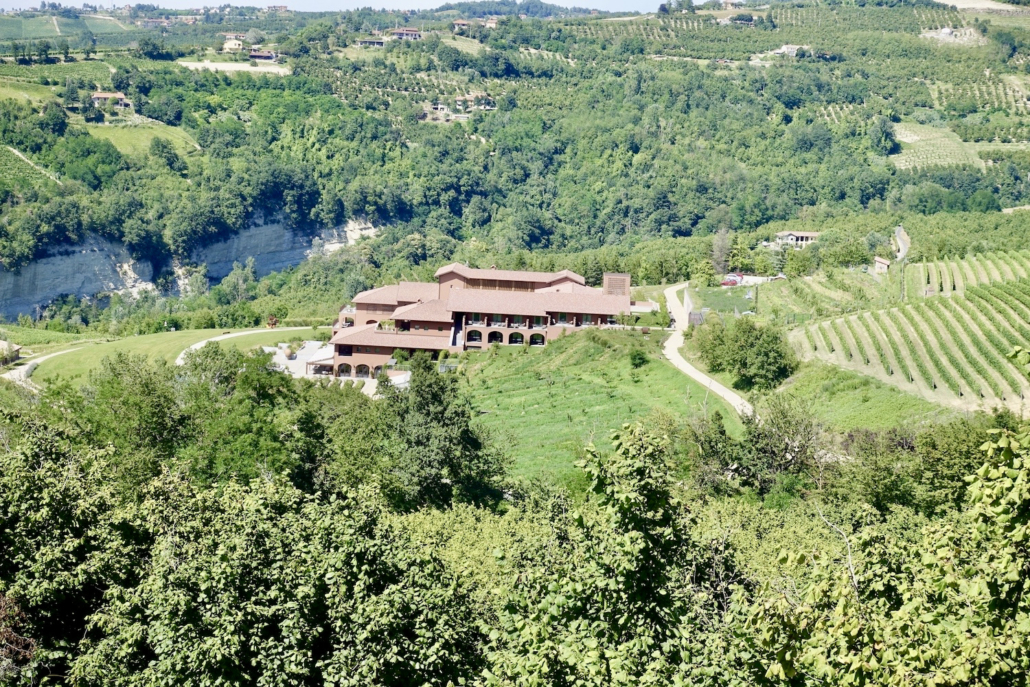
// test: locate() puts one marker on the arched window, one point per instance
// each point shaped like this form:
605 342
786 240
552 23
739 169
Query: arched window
515 339
495 337
372 322
345 370
474 336
361 371
536 340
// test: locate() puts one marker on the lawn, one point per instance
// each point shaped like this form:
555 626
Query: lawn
135 139
845 400
547 403
24 91
76 366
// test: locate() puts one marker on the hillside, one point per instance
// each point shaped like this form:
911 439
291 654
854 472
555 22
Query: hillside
949 341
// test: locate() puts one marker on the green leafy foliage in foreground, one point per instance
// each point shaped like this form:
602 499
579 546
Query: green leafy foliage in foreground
150 533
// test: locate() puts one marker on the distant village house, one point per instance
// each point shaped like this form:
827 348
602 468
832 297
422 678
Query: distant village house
406 34
796 239
117 99
232 45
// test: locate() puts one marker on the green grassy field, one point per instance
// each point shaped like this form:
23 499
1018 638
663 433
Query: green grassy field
77 365
549 402
100 25
92 71
135 139
844 400
25 91
27 27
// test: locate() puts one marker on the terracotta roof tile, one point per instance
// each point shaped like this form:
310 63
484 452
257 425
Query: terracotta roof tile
508 275
536 304
368 335
430 311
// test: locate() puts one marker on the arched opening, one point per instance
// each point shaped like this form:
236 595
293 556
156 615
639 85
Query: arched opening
348 322
474 336
372 322
376 372
536 340
344 370
361 371
516 339
495 337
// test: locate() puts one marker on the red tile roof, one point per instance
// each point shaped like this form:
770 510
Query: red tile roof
368 335
508 275
430 311
531 303
399 294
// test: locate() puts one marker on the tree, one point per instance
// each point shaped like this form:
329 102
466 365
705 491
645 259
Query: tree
625 595
43 50
721 251
800 263
983 201
912 602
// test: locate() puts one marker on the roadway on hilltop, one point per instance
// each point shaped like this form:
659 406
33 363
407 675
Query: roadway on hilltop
679 311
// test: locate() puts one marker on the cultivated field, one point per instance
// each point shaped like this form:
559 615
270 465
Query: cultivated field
949 350
954 275
792 301
18 173
927 146
549 402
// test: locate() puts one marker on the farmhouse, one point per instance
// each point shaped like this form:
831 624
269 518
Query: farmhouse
470 308
232 45
406 34
460 24
491 23
262 55
233 36
9 353
795 239
371 42
118 99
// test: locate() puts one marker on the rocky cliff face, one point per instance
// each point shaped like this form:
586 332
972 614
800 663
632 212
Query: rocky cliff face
92 267
99 266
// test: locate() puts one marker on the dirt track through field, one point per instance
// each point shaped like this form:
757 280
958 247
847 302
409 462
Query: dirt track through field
679 312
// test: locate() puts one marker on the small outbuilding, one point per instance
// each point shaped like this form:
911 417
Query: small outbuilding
881 265
9 353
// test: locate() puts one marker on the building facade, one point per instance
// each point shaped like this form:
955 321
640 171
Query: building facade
469 308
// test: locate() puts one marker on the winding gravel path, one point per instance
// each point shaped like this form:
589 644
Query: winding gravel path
20 375
181 359
679 311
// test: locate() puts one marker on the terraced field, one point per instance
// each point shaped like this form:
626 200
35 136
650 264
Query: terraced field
948 350
952 276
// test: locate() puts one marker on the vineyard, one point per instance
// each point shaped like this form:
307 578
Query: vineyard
951 276
948 350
